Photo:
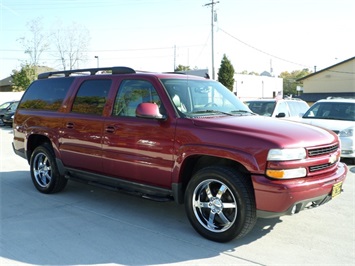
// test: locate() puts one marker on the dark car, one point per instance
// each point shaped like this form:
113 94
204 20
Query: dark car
5 108
4 105
166 136
8 116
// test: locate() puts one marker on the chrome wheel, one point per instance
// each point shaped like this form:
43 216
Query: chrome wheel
220 203
42 170
214 205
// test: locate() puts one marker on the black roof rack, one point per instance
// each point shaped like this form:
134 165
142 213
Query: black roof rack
93 71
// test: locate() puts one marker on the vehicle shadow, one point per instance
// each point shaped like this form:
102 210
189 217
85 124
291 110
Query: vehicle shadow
348 161
89 225
6 128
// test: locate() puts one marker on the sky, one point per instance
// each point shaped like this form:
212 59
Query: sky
158 35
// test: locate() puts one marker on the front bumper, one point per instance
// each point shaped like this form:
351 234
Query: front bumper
347 147
275 198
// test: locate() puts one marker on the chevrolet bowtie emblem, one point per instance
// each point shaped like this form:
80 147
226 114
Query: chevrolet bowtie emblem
332 159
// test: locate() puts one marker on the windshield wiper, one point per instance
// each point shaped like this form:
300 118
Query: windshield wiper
231 113
211 111
324 117
243 111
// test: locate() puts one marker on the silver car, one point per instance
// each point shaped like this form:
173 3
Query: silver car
338 115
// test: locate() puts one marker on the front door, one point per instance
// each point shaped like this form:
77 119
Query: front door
138 149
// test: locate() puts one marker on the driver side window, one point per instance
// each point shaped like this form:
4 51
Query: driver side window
130 94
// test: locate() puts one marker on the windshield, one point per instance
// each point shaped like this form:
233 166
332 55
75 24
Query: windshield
13 107
5 105
332 110
265 108
196 97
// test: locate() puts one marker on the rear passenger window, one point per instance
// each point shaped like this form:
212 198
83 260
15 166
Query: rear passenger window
92 96
46 94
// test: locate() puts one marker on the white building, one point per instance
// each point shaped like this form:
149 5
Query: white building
264 86
10 96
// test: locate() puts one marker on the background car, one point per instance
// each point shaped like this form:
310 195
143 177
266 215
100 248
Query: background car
4 108
4 105
338 115
7 117
280 108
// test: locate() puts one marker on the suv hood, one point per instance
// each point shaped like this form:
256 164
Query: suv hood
281 132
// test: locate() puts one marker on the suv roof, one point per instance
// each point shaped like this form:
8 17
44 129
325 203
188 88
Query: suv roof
109 71
92 71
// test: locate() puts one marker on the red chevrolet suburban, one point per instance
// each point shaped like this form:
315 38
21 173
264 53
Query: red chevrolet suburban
166 136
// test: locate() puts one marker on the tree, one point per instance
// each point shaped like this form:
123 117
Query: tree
245 72
182 68
226 73
290 82
36 44
71 44
23 78
254 73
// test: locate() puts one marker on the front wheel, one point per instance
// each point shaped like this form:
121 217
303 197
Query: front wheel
220 203
44 170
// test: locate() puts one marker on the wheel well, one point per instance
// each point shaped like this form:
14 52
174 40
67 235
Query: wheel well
194 163
33 142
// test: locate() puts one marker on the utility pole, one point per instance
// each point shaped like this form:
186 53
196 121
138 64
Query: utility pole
212 18
97 60
174 57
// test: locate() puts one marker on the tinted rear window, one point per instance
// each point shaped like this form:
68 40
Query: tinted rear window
47 94
91 97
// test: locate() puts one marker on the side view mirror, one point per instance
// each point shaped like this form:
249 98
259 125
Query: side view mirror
279 115
150 111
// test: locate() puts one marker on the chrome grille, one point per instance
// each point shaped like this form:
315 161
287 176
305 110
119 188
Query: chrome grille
324 150
320 167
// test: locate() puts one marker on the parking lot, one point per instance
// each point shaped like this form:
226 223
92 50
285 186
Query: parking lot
85 225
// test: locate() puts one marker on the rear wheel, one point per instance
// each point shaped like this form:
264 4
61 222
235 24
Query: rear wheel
220 203
44 170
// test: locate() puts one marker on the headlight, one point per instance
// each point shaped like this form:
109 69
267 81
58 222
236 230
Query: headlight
286 154
348 132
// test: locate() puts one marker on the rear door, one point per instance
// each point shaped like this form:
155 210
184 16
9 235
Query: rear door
81 135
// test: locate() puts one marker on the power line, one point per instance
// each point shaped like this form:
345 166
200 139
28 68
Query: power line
261 51
116 50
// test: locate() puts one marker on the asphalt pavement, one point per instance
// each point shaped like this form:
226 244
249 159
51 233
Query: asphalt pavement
85 225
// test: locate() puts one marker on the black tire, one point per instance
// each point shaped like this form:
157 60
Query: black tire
44 170
220 203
